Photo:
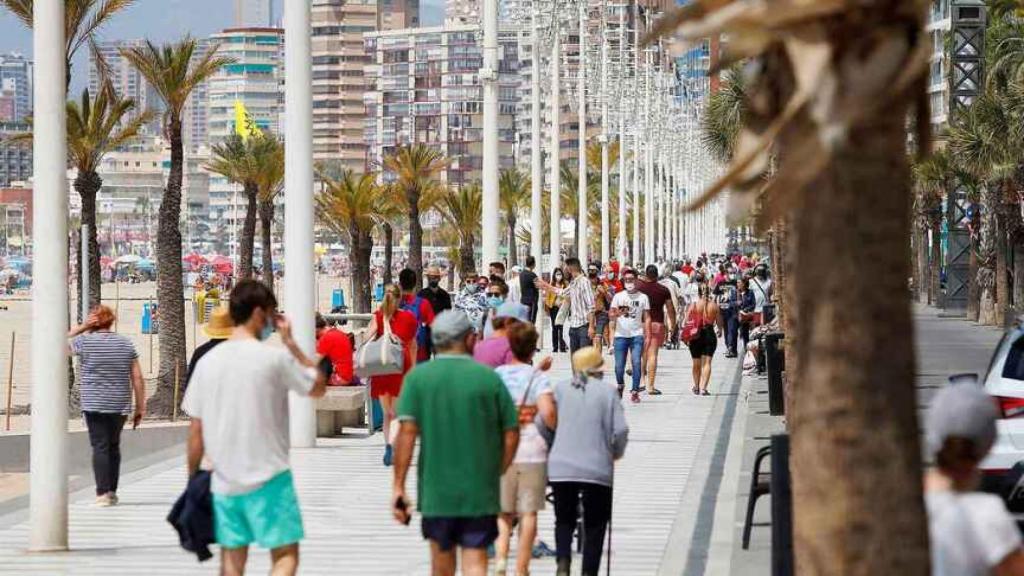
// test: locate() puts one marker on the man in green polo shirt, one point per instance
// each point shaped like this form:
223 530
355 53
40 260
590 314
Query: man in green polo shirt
469 431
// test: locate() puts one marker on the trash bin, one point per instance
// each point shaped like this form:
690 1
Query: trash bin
775 362
148 323
782 508
337 298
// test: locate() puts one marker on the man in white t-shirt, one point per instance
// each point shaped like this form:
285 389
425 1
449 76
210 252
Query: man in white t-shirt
971 532
238 401
630 318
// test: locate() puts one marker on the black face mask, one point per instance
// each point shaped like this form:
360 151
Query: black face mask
592 273
433 283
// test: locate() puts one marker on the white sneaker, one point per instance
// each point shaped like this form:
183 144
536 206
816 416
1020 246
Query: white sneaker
114 500
104 501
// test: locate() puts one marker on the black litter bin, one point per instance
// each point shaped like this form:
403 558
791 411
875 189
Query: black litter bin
775 363
782 508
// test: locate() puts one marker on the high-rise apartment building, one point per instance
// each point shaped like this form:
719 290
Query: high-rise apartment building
253 79
339 81
940 24
196 115
16 77
427 90
127 81
254 13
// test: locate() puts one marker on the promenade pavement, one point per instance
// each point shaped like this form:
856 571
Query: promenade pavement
661 519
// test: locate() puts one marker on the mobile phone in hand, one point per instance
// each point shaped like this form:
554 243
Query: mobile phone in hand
402 505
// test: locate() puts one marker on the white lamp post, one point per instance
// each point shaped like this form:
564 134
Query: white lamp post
48 494
582 200
299 301
556 157
489 78
605 168
536 156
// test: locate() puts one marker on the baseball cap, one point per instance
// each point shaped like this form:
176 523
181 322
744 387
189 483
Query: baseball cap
961 411
513 310
449 326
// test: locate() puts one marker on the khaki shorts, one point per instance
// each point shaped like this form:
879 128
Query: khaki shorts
522 488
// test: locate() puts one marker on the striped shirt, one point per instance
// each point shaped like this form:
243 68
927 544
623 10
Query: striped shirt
581 301
106 371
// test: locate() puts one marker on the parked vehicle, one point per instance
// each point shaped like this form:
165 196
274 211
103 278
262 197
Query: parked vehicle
1004 381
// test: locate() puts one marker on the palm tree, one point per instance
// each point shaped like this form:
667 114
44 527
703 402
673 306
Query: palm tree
173 71
833 84
461 210
724 114
269 185
350 206
391 209
95 127
237 160
415 169
933 178
514 190
82 18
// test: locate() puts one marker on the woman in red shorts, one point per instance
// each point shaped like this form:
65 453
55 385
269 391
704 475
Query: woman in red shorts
403 325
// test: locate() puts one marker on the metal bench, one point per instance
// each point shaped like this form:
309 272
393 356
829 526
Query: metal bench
760 485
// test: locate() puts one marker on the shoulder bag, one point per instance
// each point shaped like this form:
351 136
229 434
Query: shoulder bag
692 327
381 356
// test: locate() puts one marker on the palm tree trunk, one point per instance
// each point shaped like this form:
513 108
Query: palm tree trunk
1018 275
389 252
856 459
247 239
467 262
512 256
362 247
88 185
415 233
1002 271
267 241
170 288
973 267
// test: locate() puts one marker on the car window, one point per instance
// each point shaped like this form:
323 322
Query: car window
1014 366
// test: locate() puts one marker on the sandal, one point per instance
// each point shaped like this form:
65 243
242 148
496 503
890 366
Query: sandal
706 393
695 390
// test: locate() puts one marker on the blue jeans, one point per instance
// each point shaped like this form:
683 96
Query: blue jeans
635 347
731 317
579 338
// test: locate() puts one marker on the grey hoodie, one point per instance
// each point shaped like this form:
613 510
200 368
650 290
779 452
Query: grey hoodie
591 434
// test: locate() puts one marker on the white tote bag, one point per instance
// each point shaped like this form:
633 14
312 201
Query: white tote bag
380 356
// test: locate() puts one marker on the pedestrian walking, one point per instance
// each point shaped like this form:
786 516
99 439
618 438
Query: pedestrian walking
663 321
386 388
110 376
728 298
468 428
523 484
554 300
440 300
746 317
631 319
419 307
496 349
529 294
238 402
971 532
497 295
472 300
703 314
580 299
589 436
217 329
602 303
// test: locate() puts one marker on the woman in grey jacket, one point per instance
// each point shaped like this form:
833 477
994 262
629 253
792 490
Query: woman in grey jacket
591 435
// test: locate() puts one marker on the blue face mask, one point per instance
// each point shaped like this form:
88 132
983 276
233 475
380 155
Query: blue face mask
268 330
495 301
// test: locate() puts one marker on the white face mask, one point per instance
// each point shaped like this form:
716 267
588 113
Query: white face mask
630 286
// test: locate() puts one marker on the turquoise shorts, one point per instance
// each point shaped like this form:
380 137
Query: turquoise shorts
268 516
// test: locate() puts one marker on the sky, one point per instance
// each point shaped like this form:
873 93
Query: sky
159 21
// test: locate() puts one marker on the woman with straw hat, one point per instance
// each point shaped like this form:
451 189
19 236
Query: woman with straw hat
591 435
218 329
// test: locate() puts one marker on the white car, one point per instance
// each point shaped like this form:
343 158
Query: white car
1004 380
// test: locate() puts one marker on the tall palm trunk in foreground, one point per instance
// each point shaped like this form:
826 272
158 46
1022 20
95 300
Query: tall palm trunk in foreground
247 239
832 89
267 240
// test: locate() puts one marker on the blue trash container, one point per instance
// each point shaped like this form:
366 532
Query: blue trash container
148 326
337 298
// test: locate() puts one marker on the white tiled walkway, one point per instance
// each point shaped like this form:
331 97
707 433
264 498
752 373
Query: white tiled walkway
345 494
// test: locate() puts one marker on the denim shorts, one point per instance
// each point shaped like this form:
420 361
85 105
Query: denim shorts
268 516
449 532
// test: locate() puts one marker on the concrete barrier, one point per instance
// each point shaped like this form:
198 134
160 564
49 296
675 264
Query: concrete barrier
135 444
